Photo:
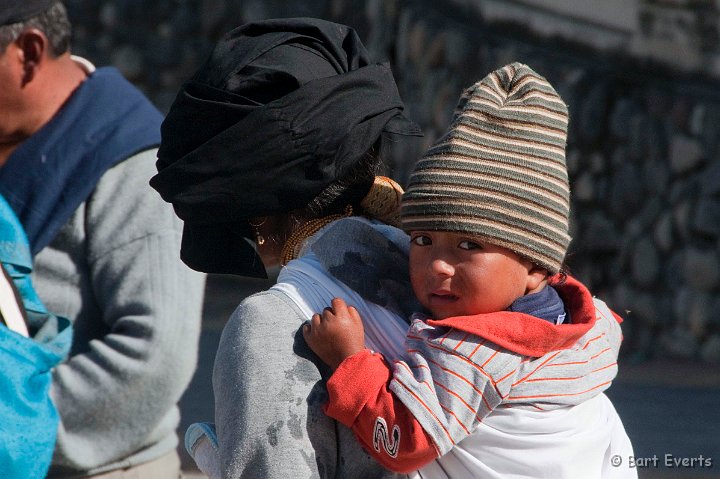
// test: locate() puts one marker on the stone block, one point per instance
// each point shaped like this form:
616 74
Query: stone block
681 219
573 160
656 177
710 349
701 269
593 111
583 188
710 180
679 343
129 60
600 234
692 310
706 219
686 153
645 307
645 263
626 191
662 232
621 118
597 163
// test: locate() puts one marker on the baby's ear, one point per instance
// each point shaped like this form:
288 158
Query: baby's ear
536 279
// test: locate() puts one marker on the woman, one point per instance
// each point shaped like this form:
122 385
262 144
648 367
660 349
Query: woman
273 145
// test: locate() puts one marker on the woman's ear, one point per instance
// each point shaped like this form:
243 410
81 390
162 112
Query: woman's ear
536 279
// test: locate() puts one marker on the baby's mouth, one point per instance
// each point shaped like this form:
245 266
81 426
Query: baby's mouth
442 297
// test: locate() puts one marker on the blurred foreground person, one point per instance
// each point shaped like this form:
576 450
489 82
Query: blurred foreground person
77 148
32 342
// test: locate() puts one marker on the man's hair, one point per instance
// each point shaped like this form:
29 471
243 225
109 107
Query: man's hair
53 22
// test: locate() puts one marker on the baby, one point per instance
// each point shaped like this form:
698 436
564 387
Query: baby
487 212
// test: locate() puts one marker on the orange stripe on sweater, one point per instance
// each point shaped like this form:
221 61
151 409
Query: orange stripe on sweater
514 398
536 369
571 363
539 380
507 376
450 411
427 408
461 341
604 367
463 358
464 379
445 336
453 415
591 341
490 358
476 348
601 353
427 384
602 315
571 378
577 363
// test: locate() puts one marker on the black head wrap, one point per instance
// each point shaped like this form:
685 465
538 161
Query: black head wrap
282 109
14 11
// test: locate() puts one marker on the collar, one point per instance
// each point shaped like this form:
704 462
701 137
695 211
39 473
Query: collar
528 335
545 304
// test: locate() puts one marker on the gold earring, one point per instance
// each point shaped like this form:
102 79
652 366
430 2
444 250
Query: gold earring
259 239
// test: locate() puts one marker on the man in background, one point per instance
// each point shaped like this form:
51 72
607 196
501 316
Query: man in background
77 148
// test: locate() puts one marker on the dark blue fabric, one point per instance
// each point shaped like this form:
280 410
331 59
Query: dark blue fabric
28 418
545 304
104 122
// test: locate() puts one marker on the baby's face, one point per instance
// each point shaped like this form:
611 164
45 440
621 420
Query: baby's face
456 274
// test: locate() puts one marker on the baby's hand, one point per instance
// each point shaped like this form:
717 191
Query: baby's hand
335 335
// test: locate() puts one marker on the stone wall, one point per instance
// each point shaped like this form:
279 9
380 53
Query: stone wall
643 152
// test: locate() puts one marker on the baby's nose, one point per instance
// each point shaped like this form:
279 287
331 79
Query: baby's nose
442 267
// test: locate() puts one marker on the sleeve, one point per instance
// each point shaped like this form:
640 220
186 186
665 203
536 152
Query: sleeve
268 396
360 398
429 403
117 394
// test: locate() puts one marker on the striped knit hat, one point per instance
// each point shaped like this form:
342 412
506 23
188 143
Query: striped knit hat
499 171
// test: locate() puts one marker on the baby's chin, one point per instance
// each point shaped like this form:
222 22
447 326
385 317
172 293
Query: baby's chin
441 307
443 313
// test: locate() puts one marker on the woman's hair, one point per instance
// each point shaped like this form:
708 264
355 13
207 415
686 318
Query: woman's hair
350 189
53 22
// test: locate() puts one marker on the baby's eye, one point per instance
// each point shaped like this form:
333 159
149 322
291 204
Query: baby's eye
421 240
465 244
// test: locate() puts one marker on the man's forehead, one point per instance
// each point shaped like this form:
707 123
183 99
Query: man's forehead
14 11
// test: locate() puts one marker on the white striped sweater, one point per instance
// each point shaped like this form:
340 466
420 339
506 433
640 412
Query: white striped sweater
453 377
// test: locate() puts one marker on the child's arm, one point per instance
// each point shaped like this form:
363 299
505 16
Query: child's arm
359 392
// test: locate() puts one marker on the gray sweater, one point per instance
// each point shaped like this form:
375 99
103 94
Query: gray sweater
269 397
270 388
114 271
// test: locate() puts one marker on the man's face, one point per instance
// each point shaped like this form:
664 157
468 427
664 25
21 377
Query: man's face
455 274
11 98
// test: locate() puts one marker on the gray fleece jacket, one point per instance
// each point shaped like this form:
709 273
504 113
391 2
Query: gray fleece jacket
114 271
269 386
